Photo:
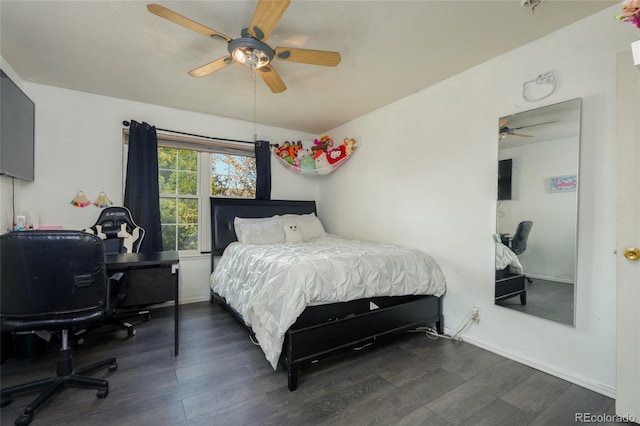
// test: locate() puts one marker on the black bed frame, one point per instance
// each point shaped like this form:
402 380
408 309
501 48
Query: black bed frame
323 330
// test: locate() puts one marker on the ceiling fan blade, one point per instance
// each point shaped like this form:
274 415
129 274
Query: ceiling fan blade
176 18
266 17
211 67
308 56
272 79
533 125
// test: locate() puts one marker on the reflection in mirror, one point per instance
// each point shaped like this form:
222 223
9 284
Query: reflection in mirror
537 211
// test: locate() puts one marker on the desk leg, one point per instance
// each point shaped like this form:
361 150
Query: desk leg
176 313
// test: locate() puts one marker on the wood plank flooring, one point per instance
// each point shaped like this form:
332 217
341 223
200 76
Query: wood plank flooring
221 378
552 300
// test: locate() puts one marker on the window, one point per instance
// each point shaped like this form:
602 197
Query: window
178 182
190 170
233 176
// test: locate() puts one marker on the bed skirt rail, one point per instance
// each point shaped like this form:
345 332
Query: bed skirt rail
325 330
308 343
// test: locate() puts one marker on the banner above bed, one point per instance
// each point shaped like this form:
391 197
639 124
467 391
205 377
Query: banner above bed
320 157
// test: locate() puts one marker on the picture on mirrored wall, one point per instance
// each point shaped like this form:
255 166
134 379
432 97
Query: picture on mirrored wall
562 183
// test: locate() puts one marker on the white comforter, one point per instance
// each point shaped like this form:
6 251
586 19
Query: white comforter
505 257
270 285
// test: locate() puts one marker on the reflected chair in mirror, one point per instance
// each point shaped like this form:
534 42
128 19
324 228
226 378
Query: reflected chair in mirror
54 281
518 243
115 225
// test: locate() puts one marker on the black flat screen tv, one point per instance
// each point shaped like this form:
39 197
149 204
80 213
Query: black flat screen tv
17 131
504 179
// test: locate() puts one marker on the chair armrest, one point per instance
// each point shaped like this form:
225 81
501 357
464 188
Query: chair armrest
116 278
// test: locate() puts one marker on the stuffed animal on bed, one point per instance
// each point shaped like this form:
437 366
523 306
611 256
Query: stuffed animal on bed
292 234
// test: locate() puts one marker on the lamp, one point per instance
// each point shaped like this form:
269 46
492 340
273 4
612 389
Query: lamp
250 51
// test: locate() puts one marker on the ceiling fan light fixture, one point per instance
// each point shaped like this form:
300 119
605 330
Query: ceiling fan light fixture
250 51
251 57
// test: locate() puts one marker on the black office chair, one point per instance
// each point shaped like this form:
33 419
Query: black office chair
121 234
518 243
519 240
54 280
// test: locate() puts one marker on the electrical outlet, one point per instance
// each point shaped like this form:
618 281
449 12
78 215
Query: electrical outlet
475 314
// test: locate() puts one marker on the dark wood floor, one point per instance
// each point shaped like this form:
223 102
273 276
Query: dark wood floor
552 300
221 378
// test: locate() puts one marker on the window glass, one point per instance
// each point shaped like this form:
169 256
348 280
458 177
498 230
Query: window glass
178 182
182 199
233 176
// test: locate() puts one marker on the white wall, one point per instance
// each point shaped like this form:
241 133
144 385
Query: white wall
79 147
551 245
425 176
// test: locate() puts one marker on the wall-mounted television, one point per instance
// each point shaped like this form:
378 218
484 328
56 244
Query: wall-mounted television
504 179
17 131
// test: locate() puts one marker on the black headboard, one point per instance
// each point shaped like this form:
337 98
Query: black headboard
225 210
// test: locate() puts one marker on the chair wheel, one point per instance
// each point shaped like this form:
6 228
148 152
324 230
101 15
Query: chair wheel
112 367
6 400
146 317
131 331
24 420
103 393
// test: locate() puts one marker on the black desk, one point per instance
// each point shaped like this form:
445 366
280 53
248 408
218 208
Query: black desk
150 278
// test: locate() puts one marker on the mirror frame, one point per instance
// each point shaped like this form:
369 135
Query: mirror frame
505 288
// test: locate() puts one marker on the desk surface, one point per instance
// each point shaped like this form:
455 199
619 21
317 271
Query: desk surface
141 260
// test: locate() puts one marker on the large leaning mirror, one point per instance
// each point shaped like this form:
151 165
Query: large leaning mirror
537 211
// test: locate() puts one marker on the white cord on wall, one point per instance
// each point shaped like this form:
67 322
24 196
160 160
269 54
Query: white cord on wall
433 333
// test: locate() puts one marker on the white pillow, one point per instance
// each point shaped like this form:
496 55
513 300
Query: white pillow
292 234
308 224
267 230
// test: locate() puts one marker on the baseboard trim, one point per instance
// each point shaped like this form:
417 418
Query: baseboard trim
195 299
549 278
182 302
579 380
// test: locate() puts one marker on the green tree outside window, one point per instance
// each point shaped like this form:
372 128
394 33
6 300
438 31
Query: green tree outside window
231 176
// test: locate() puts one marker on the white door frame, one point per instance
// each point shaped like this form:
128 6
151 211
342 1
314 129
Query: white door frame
628 233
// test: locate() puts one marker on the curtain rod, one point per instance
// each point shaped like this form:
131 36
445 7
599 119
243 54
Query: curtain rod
127 124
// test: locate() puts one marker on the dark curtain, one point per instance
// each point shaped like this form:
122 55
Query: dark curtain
141 192
263 170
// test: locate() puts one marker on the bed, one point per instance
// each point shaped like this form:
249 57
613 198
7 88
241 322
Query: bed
292 300
509 275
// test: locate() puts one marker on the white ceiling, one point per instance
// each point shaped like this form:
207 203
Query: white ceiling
389 50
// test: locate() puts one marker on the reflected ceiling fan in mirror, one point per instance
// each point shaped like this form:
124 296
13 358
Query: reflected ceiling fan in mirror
250 48
505 130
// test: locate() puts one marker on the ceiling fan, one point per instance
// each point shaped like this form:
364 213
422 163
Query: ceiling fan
505 130
250 48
